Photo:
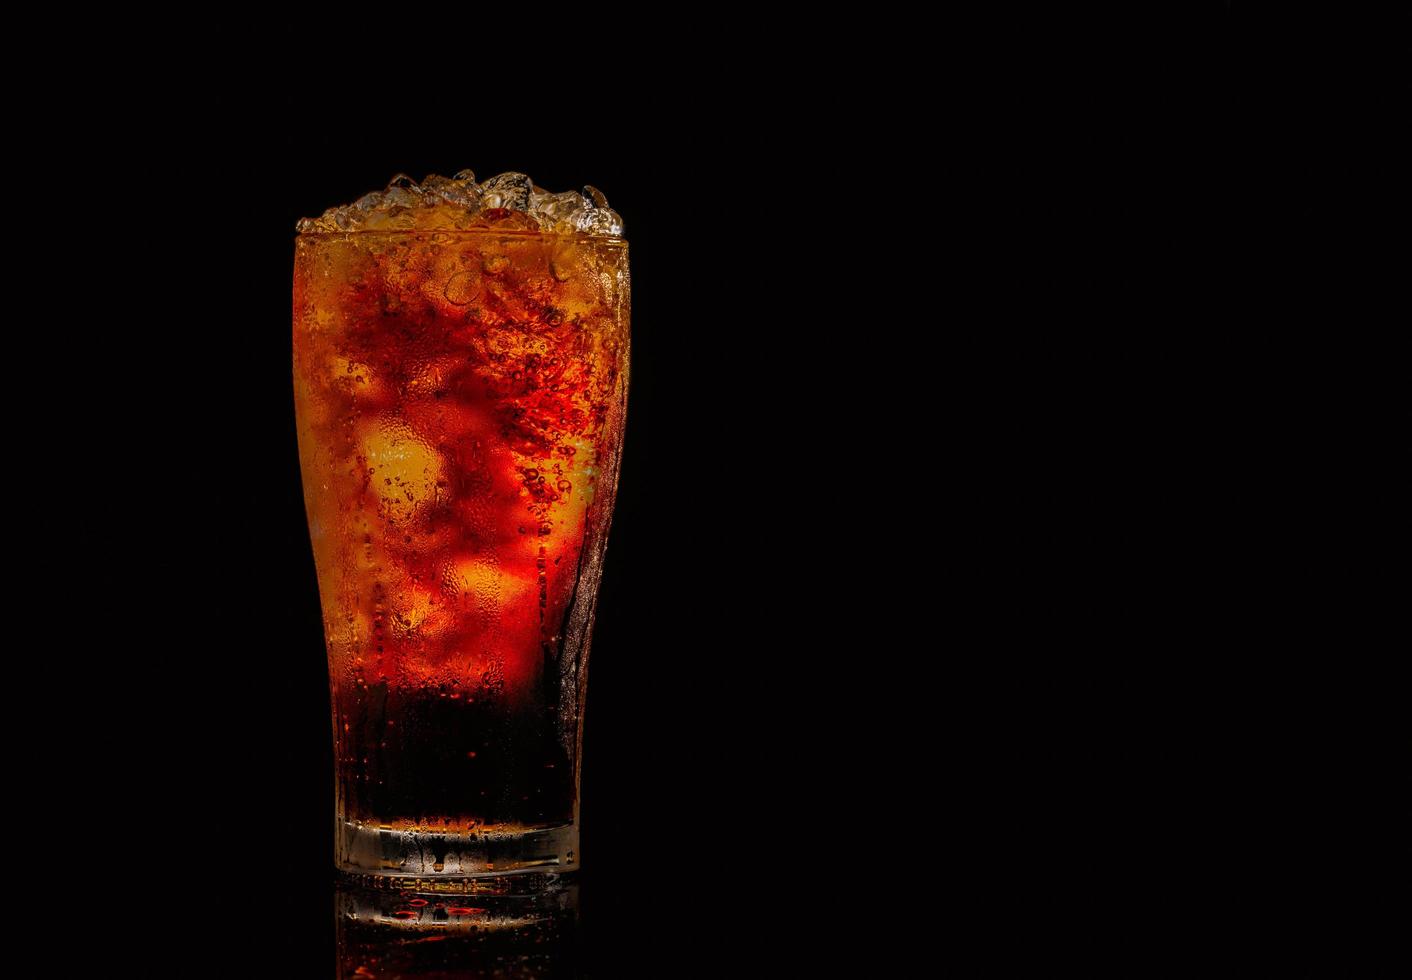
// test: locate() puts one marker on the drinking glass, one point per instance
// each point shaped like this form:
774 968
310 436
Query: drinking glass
460 402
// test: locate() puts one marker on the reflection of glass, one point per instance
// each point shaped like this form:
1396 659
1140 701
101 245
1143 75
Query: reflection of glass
421 936
460 378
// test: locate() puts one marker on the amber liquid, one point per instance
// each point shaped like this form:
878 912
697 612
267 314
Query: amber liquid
460 402
444 764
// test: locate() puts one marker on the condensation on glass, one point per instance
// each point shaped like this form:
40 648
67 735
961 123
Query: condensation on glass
460 395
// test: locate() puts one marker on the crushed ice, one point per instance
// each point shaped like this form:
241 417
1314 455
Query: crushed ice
507 201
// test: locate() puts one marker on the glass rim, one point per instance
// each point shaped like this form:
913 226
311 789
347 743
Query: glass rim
574 236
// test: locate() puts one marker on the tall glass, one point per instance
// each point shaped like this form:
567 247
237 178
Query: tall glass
460 399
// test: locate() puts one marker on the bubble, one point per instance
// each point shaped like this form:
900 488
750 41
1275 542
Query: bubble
565 263
463 288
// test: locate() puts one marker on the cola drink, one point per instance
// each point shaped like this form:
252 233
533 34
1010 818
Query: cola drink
460 383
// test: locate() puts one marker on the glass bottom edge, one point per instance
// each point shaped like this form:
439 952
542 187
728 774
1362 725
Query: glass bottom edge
494 862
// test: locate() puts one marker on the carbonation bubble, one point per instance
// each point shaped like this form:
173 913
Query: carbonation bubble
463 288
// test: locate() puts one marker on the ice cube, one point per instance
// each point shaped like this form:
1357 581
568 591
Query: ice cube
507 190
403 470
453 191
558 212
598 218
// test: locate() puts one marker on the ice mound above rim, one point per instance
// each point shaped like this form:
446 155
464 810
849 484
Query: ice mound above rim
505 202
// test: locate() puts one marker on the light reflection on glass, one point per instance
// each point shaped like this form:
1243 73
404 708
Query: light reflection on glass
438 935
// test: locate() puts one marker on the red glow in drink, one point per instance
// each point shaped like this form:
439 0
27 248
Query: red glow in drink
460 369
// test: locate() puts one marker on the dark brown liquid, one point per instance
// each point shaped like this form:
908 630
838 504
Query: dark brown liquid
426 759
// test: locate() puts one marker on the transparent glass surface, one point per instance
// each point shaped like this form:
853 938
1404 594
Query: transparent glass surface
460 399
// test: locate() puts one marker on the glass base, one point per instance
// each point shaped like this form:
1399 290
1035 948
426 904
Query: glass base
407 858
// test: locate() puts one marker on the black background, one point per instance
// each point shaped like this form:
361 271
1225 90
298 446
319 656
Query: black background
753 737
700 740
956 431
815 691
